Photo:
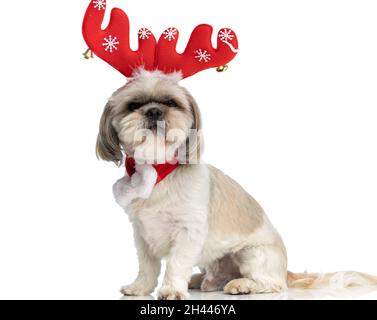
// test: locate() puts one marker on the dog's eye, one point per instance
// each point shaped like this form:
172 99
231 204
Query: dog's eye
171 103
132 106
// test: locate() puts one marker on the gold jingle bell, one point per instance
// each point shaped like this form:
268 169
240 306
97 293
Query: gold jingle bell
88 54
222 68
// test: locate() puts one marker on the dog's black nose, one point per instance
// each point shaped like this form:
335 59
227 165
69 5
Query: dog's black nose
154 114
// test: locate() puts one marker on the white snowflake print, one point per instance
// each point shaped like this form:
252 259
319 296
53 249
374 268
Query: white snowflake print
99 4
202 55
226 35
144 33
111 43
170 34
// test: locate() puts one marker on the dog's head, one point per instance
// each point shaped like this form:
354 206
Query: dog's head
151 118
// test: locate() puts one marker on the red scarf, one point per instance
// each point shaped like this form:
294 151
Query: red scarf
163 170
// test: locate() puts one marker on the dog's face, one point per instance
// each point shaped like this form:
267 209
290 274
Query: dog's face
151 118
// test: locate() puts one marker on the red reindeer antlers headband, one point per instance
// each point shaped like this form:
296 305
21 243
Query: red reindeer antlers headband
112 45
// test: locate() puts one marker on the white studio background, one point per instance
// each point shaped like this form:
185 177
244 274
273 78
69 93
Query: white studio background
293 120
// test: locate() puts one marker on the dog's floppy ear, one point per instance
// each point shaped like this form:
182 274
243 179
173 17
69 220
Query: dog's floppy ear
194 143
108 147
197 124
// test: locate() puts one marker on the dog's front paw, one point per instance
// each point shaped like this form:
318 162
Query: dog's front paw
171 293
136 289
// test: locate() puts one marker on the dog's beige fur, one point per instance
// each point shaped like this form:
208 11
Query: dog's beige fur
197 216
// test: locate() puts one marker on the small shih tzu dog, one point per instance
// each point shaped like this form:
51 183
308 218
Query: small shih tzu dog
195 215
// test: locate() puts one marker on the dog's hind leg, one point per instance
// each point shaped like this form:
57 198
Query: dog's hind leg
263 269
219 273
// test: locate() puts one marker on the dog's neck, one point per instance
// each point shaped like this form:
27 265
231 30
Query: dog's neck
162 170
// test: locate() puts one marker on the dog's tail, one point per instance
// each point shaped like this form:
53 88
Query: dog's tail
343 279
